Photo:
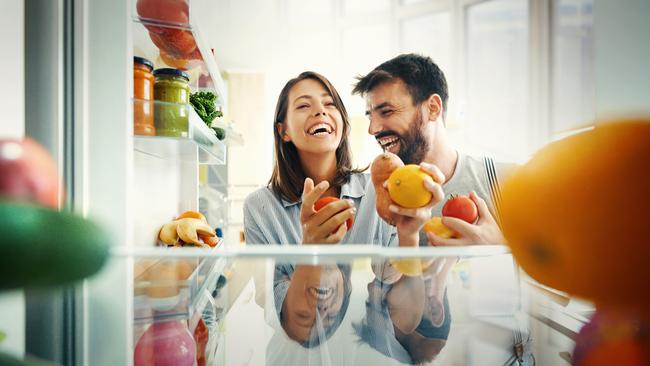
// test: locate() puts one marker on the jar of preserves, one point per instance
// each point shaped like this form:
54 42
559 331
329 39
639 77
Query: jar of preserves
143 80
172 95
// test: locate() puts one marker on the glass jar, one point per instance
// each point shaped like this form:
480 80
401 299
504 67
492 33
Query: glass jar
143 95
172 95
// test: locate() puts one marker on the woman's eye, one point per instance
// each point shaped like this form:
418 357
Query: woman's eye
302 106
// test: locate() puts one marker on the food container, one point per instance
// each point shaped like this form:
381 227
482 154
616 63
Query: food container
166 342
143 81
172 95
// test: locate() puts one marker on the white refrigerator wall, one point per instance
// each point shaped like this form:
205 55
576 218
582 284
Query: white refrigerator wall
12 125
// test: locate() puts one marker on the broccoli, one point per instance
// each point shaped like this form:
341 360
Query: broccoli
204 105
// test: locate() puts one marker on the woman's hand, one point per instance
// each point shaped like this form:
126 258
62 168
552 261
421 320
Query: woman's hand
326 226
410 221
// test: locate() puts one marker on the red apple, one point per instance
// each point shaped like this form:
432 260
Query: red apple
28 172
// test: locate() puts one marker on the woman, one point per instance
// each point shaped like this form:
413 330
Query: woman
311 130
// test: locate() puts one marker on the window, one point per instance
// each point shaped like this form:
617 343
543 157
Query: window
497 87
572 65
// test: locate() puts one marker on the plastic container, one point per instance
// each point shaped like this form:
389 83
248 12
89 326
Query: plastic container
172 95
166 343
143 81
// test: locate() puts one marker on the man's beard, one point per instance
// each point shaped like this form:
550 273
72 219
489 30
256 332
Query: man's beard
413 145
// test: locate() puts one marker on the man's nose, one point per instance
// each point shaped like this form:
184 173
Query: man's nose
374 127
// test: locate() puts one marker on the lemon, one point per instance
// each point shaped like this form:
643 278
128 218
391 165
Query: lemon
406 186
408 267
435 225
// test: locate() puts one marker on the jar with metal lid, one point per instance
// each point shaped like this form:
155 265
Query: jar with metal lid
143 80
172 95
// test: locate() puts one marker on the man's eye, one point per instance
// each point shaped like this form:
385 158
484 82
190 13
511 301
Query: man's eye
386 112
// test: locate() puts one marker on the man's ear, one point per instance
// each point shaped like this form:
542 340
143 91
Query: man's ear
434 106
281 129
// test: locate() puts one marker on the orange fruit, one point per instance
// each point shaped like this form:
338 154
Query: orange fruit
435 225
192 215
576 215
406 186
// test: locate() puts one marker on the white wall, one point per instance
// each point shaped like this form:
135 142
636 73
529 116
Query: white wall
12 124
621 29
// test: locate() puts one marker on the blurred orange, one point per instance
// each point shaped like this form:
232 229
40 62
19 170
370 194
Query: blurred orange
627 352
576 215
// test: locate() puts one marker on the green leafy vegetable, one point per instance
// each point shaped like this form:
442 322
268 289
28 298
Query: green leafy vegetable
204 105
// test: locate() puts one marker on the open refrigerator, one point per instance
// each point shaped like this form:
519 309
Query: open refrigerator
134 184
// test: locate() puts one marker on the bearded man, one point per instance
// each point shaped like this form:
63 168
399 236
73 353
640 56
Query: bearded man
406 102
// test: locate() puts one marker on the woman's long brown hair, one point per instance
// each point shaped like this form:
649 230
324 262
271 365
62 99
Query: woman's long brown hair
288 176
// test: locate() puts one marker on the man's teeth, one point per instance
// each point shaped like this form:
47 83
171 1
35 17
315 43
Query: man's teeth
319 129
385 142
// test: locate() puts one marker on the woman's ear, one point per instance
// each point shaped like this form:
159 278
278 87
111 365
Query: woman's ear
434 106
281 131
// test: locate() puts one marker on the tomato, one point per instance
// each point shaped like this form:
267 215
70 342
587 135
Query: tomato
175 12
461 207
327 200
201 337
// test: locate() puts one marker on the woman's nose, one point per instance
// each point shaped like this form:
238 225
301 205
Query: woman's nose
319 109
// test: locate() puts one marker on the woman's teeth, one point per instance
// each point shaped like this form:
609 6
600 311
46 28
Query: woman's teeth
320 129
321 293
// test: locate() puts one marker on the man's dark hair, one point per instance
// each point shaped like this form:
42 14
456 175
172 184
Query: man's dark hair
420 74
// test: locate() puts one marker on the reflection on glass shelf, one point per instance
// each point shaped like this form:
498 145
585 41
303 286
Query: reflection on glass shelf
166 34
180 132
174 288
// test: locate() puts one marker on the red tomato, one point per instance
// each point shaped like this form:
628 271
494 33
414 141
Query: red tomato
175 12
201 337
461 207
327 200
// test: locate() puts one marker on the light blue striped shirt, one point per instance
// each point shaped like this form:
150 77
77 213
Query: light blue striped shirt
270 220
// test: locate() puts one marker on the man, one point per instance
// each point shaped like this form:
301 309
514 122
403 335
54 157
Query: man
406 102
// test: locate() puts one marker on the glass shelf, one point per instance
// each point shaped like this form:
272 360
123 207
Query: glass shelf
165 34
233 137
191 134
167 289
462 296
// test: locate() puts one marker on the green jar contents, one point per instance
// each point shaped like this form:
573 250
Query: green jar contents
172 95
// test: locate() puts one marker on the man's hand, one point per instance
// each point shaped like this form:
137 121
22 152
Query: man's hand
485 231
326 226
409 221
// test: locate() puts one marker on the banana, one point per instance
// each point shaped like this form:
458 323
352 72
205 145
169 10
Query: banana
168 233
188 230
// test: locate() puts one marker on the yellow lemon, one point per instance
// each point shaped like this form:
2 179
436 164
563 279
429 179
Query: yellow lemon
435 225
406 186
408 267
